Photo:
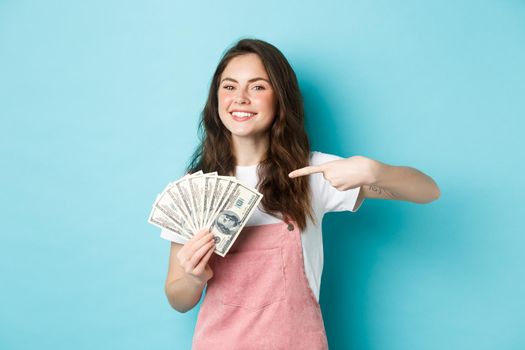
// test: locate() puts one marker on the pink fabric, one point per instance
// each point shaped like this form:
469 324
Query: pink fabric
259 297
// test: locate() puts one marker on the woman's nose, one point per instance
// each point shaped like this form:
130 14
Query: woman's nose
241 98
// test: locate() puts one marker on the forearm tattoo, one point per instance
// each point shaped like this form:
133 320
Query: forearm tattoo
375 189
380 192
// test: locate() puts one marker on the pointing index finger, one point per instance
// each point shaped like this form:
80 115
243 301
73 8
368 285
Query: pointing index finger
312 169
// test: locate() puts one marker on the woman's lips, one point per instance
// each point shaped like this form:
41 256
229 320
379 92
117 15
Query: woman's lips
242 119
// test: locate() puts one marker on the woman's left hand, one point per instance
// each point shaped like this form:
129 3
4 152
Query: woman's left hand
345 173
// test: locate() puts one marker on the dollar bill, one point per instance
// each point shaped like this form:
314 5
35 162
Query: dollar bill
223 188
232 216
181 193
165 203
209 189
178 201
197 186
214 190
160 219
221 204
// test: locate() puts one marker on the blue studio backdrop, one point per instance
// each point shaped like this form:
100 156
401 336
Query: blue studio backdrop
99 106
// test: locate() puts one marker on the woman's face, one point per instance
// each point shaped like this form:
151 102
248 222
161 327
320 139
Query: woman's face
247 101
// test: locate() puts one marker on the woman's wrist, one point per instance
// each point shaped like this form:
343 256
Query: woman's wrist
195 281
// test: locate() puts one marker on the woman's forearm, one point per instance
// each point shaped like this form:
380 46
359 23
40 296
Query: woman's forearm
406 183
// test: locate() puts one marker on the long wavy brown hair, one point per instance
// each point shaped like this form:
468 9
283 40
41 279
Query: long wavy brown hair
289 147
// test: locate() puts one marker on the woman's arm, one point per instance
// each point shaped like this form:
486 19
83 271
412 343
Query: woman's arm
188 271
401 183
378 180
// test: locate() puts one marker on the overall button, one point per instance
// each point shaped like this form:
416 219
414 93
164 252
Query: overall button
290 227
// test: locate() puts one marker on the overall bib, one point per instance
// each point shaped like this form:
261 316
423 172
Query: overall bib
259 297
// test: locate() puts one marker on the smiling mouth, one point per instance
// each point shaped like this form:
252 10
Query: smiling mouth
242 116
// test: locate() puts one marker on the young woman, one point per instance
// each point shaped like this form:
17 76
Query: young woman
264 294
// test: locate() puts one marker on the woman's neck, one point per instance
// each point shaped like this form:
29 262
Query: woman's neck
250 150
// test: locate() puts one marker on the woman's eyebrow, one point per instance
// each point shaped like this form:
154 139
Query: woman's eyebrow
249 81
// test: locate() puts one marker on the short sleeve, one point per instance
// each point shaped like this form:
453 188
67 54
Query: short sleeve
331 199
170 236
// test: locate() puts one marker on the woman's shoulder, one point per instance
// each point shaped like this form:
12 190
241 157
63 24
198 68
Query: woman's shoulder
317 157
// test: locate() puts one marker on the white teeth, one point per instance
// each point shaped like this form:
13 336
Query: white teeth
242 114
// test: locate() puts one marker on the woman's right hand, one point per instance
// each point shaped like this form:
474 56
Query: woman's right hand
194 255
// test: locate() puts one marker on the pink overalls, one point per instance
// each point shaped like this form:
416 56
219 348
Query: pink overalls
259 297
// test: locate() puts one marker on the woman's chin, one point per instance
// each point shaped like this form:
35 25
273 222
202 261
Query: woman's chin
246 133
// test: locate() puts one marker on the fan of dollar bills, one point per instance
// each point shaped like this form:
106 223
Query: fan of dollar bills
220 203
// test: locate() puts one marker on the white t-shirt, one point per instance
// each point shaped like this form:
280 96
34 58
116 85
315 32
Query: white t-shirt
325 198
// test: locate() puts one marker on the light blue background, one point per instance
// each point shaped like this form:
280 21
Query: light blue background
99 103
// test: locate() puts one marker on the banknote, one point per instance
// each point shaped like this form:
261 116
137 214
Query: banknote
166 205
197 187
167 212
223 188
218 203
232 216
209 187
162 220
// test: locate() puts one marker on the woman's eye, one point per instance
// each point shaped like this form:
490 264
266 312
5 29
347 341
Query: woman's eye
256 87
